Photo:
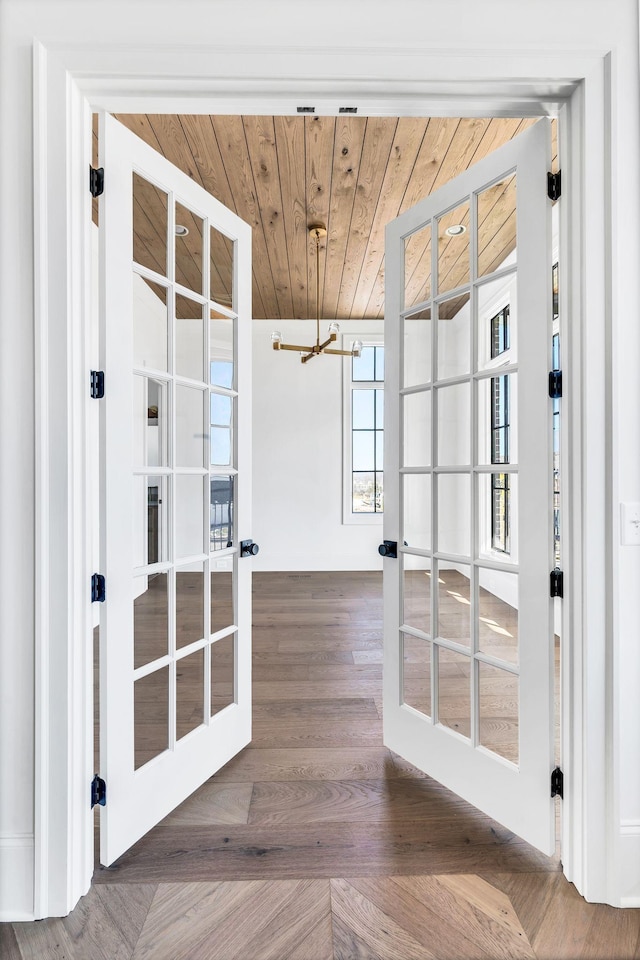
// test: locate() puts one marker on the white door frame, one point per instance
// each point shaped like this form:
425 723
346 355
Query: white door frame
68 83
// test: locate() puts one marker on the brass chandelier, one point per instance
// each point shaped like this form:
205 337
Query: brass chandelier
317 231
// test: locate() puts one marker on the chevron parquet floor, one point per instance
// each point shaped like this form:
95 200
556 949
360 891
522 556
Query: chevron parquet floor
316 843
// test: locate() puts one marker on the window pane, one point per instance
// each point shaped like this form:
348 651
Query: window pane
363 450
222 614
498 693
498 514
223 656
149 520
189 339
454 331
221 268
416 673
363 409
150 324
189 508
221 350
379 409
220 446
500 333
417 429
189 604
454 490
453 248
416 592
150 217
188 247
416 510
496 225
454 413
417 348
220 410
149 422
151 716
379 373
150 619
364 366
498 614
454 696
189 427
366 492
417 267
221 513
189 693
497 399
454 604
497 321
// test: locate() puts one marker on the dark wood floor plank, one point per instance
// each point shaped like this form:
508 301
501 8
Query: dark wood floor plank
353 674
320 710
232 920
44 940
309 733
215 802
313 689
471 917
306 656
362 929
352 801
108 921
9 949
324 850
357 763
560 923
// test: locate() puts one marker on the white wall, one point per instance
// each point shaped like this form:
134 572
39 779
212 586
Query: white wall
394 45
297 458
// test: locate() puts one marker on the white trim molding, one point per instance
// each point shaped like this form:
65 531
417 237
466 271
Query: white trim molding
131 76
629 841
16 877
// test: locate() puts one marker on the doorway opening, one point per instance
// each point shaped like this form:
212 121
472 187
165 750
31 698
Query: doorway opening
294 494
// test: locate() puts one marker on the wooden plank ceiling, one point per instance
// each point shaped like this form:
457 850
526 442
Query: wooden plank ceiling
353 174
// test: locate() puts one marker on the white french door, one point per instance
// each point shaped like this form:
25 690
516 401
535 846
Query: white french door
468 646
175 658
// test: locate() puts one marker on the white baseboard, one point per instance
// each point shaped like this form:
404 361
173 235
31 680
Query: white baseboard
16 878
629 870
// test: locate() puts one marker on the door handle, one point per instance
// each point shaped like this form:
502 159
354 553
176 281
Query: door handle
389 549
248 548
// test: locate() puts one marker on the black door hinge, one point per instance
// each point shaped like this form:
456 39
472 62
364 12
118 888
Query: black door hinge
98 588
555 384
389 549
557 783
554 185
98 791
97 384
96 181
556 583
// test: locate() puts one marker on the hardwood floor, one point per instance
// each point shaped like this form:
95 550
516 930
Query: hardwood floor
317 843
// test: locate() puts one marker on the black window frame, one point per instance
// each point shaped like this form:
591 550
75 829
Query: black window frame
375 385
500 485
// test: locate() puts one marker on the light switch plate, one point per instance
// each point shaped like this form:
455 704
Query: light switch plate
630 524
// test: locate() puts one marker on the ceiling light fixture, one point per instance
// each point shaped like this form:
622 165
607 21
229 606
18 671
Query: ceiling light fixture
181 231
456 230
317 230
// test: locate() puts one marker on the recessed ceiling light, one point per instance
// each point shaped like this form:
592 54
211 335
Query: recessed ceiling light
456 230
181 231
